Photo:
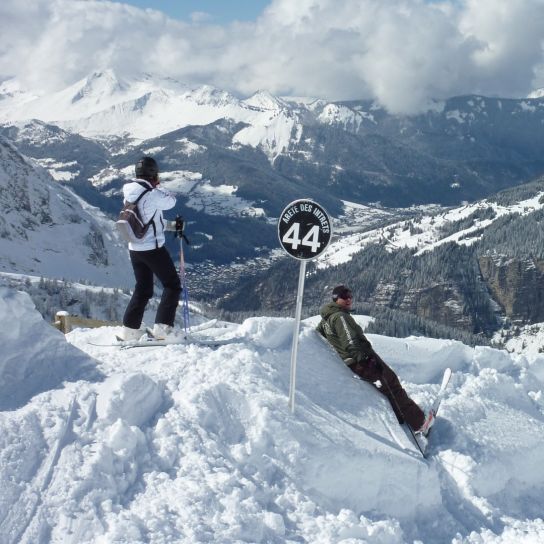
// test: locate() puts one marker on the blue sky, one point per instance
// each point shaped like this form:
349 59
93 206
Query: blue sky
220 11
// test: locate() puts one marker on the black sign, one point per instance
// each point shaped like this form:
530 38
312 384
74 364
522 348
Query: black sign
304 229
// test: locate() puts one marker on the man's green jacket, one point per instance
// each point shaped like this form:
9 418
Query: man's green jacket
343 333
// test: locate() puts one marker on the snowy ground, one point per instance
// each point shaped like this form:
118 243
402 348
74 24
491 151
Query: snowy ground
193 444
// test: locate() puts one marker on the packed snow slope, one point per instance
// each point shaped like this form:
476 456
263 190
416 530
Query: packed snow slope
192 444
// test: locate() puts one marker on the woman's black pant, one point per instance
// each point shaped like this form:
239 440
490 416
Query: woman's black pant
146 264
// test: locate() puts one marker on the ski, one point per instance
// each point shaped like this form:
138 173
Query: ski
208 342
436 405
195 328
440 395
202 326
152 342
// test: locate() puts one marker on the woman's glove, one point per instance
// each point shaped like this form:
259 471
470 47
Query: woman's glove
180 225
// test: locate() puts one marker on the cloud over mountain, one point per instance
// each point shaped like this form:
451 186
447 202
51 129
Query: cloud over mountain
403 53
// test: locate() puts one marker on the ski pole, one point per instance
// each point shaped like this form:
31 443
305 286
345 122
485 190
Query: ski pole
182 274
180 224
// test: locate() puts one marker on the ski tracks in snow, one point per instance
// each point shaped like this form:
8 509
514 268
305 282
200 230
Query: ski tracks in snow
24 518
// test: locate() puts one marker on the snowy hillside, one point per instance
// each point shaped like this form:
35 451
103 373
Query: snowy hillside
48 231
462 225
191 444
537 93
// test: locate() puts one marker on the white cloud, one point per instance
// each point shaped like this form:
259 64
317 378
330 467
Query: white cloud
401 52
201 16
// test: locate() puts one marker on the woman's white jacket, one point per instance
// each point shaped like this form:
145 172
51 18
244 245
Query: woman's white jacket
150 207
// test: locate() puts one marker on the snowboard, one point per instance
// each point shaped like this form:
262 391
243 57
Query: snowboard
425 441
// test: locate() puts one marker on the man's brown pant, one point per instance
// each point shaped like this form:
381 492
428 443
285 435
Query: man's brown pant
388 384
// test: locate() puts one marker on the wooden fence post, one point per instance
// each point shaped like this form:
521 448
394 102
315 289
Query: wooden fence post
62 322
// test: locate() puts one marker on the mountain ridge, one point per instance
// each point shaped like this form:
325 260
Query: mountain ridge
49 231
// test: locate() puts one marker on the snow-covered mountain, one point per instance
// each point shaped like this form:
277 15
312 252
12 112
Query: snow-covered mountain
49 231
102 105
66 156
356 147
189 444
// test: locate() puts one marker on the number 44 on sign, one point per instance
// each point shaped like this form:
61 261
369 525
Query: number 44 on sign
311 239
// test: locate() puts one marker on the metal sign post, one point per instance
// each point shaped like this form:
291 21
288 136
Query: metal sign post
304 230
294 345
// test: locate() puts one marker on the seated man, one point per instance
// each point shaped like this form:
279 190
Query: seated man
348 339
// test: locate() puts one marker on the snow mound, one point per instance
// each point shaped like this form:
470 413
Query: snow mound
186 443
134 398
35 356
270 332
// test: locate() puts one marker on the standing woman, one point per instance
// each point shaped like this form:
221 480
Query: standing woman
149 256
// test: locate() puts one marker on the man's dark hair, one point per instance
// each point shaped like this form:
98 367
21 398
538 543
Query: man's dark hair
340 291
147 168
